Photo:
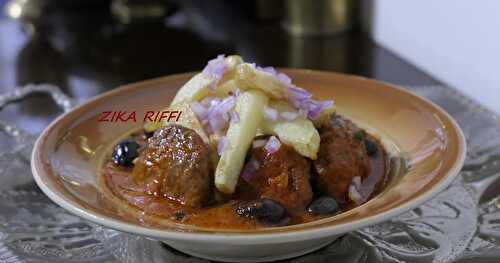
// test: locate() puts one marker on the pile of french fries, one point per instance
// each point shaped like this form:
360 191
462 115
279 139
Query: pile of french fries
258 90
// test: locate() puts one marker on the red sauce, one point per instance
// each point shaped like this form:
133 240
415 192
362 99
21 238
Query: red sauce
128 195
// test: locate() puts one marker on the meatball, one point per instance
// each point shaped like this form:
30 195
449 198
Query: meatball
341 157
282 176
175 164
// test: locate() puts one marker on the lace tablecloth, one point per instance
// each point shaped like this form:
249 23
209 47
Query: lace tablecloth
462 224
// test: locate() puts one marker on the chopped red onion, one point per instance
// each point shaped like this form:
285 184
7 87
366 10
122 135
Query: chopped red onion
299 98
316 107
272 145
214 69
249 169
224 107
368 186
258 143
270 114
289 116
303 112
213 113
206 102
137 200
356 181
199 110
269 70
284 79
234 117
216 124
211 108
298 94
355 193
355 196
220 145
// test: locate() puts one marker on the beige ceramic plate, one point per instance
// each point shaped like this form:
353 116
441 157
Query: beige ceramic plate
66 157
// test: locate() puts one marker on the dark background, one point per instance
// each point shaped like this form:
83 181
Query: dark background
84 49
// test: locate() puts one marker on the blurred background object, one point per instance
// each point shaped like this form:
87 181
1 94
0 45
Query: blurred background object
320 17
456 41
98 44
87 47
127 10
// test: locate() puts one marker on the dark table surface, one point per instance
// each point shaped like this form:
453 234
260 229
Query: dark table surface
88 52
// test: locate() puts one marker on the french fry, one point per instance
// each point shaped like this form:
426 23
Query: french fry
299 133
324 116
197 87
224 89
239 137
247 77
187 119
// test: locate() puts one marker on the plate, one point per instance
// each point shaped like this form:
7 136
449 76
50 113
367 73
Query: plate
67 156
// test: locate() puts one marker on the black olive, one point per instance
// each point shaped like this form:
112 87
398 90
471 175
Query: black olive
371 147
125 152
323 206
265 211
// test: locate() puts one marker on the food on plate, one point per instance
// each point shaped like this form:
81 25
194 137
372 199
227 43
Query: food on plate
283 176
175 165
250 150
239 136
342 157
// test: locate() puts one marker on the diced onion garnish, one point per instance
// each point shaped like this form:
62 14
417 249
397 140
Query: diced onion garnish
355 195
220 145
316 107
300 98
199 110
234 117
289 116
258 143
272 145
213 113
270 114
208 101
356 181
214 70
269 70
307 107
284 79
249 169
225 106
367 187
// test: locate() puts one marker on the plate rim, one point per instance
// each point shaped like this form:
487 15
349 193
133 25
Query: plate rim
297 234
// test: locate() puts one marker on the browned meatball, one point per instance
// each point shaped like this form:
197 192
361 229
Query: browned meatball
341 157
282 176
175 164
